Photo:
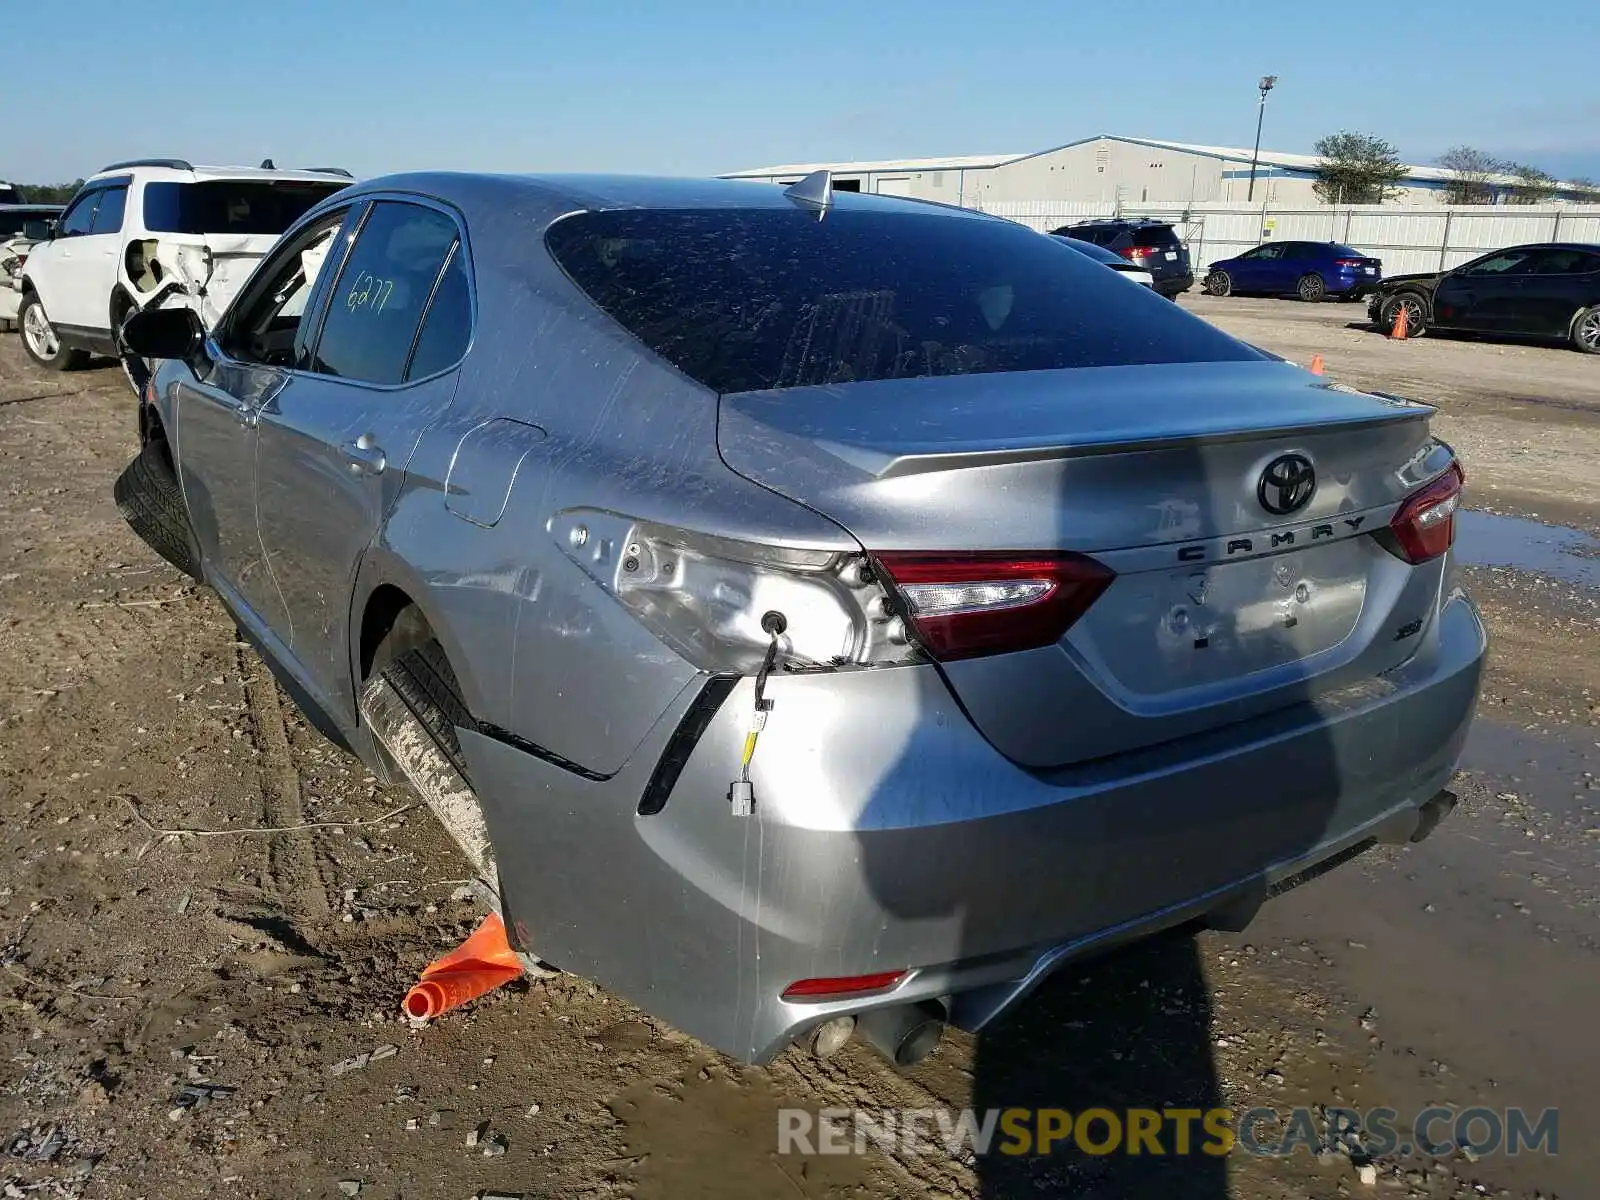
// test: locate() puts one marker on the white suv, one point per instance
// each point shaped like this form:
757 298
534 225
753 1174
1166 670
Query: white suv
155 233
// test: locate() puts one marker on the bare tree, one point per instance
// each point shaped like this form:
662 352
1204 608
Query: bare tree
1472 175
1533 186
1357 168
1582 189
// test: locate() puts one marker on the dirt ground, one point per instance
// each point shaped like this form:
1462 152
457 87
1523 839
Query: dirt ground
208 915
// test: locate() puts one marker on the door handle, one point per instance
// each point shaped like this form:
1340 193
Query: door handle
364 455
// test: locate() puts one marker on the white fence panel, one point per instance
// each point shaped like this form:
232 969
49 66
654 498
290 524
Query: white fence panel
1407 239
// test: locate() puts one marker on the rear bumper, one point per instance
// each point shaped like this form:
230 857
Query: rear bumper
1173 285
889 835
1351 285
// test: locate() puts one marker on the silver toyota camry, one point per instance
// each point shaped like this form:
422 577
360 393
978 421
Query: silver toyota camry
812 613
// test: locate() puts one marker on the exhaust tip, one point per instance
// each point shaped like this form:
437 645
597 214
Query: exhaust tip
905 1034
1432 812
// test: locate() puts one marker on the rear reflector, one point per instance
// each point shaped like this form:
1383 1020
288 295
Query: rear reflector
1425 526
968 603
843 985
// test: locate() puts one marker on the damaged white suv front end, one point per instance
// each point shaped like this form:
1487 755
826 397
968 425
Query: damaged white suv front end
155 233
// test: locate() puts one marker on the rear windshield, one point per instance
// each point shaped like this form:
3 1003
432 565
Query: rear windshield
746 299
230 206
1153 235
1345 251
9 194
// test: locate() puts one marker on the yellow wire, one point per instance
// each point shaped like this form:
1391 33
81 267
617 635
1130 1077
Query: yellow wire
749 748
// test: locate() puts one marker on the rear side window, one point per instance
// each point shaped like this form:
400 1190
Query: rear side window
108 217
375 309
1097 236
230 205
447 328
773 298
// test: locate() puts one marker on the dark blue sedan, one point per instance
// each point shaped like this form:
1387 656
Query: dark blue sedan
1311 270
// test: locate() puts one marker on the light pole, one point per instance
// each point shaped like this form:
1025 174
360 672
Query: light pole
1266 85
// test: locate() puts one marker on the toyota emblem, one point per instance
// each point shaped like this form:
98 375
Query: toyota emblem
1287 484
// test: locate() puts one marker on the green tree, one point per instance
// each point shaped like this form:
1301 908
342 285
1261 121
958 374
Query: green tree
1357 168
49 193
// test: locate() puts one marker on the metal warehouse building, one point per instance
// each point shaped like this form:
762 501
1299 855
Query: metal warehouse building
1107 169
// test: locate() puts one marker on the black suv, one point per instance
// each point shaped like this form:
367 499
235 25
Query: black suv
1148 243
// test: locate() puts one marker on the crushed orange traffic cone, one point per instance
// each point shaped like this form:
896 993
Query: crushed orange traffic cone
1316 364
480 964
1398 333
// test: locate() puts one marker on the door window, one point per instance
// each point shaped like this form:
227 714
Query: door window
108 216
1265 253
375 310
266 325
1496 264
1556 261
79 219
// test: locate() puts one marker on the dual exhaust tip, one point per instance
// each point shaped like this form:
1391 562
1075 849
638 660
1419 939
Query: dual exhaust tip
905 1034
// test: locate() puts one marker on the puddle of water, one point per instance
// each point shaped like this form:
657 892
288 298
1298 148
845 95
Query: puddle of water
1554 772
1570 555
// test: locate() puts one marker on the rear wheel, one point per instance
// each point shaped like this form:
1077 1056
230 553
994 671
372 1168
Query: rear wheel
1312 289
412 705
40 340
1416 314
1219 283
1586 330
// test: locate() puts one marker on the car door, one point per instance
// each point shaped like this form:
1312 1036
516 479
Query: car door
1477 296
56 267
250 357
334 441
1252 269
88 264
1283 270
1548 289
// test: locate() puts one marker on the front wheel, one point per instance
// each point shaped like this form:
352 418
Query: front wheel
1416 316
1586 330
1312 289
1219 283
40 340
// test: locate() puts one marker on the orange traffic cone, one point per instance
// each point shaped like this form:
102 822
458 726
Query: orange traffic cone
1316 364
1398 333
479 965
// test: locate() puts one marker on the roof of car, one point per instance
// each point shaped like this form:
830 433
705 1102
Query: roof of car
174 171
604 192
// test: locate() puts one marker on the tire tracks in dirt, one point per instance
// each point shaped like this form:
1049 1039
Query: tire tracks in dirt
293 864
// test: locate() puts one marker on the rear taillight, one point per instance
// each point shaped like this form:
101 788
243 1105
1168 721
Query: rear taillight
710 598
1425 526
964 604
1347 262
1132 252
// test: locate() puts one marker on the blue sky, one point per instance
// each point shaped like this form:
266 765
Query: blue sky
702 86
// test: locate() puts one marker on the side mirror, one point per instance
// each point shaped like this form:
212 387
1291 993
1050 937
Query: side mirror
163 333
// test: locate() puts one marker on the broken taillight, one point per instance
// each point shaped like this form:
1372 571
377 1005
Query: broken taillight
968 603
1425 526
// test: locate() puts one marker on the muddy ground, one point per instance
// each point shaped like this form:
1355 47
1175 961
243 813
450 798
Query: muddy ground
262 971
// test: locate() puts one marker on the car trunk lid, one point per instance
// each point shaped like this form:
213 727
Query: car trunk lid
1220 607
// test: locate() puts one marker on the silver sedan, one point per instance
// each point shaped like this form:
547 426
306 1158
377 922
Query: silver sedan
812 612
